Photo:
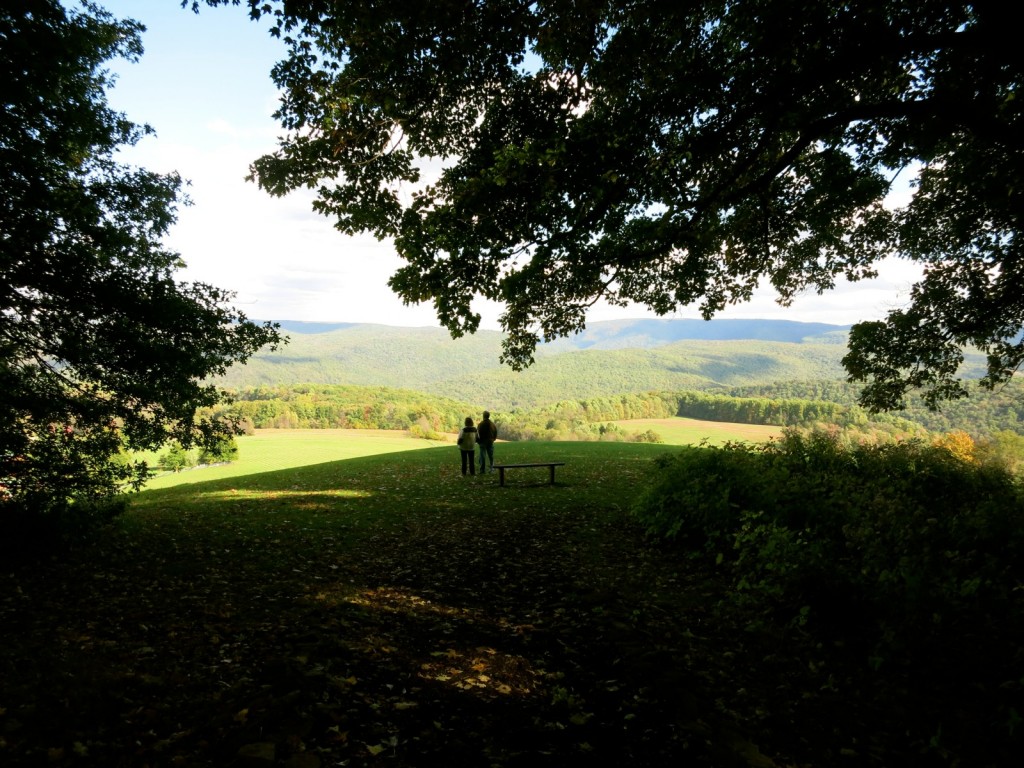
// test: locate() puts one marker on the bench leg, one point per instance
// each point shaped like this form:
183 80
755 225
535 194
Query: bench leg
552 468
501 476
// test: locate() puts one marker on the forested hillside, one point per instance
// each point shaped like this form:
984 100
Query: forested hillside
983 412
681 365
373 355
642 334
607 359
324 406
429 360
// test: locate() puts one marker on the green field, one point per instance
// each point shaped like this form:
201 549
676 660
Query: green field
371 607
679 431
274 449
340 598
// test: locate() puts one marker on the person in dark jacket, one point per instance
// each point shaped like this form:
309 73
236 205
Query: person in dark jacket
467 446
486 434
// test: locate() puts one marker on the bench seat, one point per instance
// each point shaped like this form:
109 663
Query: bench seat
549 464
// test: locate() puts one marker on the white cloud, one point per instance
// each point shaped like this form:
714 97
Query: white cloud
224 128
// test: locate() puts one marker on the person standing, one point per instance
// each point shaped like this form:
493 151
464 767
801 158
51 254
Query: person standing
467 446
486 434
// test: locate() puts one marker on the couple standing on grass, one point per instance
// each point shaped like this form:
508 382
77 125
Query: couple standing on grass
484 436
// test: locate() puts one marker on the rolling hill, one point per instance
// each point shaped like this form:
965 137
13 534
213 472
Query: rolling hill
608 357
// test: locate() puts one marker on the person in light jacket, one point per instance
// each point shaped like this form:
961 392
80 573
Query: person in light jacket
467 446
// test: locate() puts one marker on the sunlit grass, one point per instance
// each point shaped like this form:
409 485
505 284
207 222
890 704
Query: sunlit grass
274 449
348 497
680 431
246 493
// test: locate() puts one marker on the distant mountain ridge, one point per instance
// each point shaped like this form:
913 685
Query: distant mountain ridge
654 332
640 333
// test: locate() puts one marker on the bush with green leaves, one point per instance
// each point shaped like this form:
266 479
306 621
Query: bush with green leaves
910 555
906 541
225 449
176 458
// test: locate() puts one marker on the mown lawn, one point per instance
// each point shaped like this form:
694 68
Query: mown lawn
272 449
384 610
680 431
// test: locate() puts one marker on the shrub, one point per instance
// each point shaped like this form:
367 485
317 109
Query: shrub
175 458
650 436
911 555
697 494
224 450
424 433
904 542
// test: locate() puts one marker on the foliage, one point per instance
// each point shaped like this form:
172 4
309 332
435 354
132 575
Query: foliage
468 369
319 406
587 419
465 370
981 415
648 436
326 407
700 491
176 458
100 345
1005 447
224 450
910 553
669 154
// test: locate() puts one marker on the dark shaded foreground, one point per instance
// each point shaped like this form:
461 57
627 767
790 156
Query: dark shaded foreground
537 638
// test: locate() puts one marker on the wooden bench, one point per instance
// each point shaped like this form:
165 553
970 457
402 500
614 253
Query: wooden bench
549 464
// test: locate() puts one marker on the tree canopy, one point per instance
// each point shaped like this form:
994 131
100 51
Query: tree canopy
548 155
101 347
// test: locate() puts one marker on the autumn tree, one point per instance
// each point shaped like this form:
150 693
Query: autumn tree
101 347
548 155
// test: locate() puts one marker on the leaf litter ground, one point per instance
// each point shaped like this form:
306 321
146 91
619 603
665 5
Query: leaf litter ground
390 612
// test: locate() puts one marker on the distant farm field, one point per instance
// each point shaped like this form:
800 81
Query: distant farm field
679 431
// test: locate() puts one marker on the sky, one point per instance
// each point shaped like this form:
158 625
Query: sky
204 85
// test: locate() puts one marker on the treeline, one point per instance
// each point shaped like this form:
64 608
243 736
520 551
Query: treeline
323 406
578 417
983 413
785 404
587 419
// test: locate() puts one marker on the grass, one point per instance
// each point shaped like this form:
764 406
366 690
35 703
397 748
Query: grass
384 482
273 449
384 610
680 431
347 610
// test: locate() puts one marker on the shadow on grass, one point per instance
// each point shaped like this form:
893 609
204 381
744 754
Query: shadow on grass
356 611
